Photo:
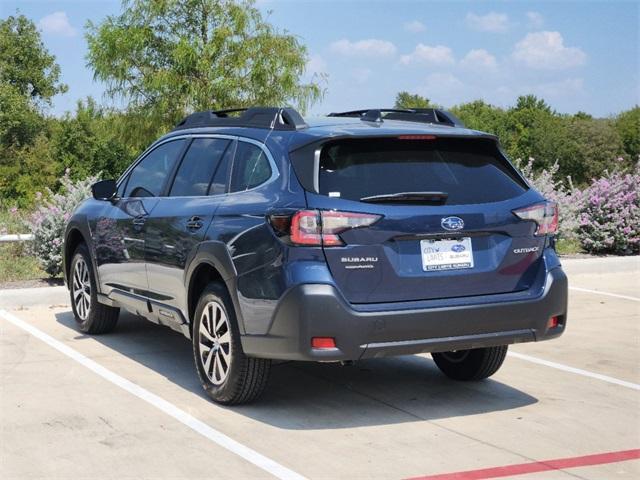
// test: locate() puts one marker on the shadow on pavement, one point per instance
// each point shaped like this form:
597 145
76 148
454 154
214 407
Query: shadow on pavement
311 396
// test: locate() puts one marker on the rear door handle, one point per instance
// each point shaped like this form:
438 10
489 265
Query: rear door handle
194 223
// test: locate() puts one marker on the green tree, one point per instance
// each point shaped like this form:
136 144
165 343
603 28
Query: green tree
166 58
534 130
29 78
479 115
582 116
592 147
411 100
25 63
627 125
87 143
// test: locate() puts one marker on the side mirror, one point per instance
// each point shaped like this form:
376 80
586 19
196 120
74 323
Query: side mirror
104 190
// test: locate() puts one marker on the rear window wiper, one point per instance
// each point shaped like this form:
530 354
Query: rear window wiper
408 197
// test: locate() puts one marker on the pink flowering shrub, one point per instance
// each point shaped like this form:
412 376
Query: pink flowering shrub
610 217
568 197
48 221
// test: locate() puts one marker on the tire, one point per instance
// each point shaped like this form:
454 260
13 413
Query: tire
216 344
91 316
466 365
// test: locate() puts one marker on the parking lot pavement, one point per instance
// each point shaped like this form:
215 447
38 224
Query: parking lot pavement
145 416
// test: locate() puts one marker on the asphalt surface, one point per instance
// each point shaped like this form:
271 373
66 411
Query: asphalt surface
129 405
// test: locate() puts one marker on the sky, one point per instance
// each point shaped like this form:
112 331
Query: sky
577 55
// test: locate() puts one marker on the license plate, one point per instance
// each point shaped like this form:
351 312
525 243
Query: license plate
446 254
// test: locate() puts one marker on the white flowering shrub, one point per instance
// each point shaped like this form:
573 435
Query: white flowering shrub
610 217
569 198
49 220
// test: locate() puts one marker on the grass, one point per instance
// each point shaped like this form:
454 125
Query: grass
12 222
16 264
566 246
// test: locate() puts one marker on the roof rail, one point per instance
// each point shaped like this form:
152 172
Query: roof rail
275 118
420 115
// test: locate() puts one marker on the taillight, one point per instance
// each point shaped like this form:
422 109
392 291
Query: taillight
544 214
320 227
305 228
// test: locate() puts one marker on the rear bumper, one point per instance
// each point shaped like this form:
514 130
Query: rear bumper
318 310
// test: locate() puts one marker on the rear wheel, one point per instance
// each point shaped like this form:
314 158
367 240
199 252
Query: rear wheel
476 364
90 315
226 373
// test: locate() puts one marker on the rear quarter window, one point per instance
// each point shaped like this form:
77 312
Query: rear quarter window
470 171
250 167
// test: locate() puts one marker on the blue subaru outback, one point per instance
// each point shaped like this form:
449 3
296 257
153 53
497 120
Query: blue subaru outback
261 235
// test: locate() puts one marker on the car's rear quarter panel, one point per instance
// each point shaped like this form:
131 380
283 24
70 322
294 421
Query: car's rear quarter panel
264 266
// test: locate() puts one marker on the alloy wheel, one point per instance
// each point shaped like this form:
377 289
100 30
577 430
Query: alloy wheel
81 289
215 343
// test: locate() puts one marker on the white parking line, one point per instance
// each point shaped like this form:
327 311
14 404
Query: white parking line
616 295
578 371
259 460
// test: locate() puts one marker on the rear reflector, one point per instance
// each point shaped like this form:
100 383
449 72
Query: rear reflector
323 342
544 214
553 322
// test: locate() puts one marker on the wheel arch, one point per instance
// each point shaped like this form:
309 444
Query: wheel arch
73 238
212 263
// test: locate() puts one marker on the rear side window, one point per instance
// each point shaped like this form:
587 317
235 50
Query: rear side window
250 167
148 177
198 166
469 171
221 178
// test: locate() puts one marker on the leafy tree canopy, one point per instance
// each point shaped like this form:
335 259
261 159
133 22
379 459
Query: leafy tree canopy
411 100
29 78
531 102
628 126
25 64
166 58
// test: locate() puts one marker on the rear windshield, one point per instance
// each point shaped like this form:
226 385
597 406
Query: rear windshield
468 170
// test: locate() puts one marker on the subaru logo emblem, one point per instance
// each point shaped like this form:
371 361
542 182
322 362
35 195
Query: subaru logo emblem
452 223
458 248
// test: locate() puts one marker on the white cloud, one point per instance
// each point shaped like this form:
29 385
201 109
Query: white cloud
560 88
546 51
443 88
491 22
536 20
316 64
415 26
446 81
57 23
366 48
361 75
438 55
556 91
479 58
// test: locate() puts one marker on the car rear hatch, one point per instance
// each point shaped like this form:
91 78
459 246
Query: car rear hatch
432 217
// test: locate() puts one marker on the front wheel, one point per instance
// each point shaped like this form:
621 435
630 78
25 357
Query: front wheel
227 375
476 364
91 316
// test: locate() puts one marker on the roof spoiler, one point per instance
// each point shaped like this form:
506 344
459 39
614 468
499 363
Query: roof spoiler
419 115
276 118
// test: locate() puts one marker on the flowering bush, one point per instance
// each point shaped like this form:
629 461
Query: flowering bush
610 217
48 221
568 197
